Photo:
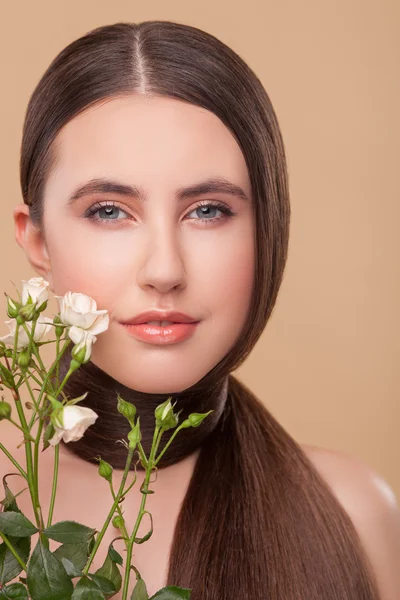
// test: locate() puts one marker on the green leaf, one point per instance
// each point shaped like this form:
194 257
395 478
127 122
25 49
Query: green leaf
76 400
172 593
106 586
48 434
76 553
110 571
69 532
15 591
9 503
16 524
9 566
71 569
114 555
140 591
86 589
46 577
92 543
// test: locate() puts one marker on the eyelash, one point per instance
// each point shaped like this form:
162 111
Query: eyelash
223 208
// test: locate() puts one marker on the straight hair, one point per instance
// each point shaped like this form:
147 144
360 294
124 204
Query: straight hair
258 521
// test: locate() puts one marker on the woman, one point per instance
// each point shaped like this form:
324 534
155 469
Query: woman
154 179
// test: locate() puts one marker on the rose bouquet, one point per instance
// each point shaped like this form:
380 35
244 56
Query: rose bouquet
38 571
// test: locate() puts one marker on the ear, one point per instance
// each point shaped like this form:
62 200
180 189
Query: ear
31 240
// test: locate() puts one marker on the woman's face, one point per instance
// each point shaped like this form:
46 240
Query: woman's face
152 251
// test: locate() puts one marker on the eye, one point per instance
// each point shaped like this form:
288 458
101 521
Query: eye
205 208
109 211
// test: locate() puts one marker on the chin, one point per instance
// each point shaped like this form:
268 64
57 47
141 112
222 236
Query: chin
153 383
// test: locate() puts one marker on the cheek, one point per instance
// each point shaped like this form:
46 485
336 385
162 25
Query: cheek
89 267
225 275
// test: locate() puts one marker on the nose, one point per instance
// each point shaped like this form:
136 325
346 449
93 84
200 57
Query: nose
162 267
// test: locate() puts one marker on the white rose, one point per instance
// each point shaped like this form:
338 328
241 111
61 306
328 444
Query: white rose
79 310
72 423
82 339
41 329
37 288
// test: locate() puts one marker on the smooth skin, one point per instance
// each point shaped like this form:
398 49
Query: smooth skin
154 251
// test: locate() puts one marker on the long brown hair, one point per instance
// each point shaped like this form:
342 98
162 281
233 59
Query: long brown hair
258 521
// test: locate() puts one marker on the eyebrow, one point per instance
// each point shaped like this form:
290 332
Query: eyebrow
213 185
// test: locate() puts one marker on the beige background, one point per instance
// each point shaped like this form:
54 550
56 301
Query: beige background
327 364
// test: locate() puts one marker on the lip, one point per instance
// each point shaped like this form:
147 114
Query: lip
160 315
169 334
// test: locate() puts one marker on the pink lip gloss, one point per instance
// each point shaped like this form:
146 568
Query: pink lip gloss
154 334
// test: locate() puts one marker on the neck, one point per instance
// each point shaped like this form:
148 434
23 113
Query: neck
110 426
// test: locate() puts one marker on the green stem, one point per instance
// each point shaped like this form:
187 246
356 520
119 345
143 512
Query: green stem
34 401
58 363
28 436
123 528
48 376
36 465
64 381
142 455
129 487
34 378
13 550
139 518
15 346
167 445
14 462
54 488
33 490
28 455
112 511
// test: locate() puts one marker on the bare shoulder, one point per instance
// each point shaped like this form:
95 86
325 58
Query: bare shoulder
373 507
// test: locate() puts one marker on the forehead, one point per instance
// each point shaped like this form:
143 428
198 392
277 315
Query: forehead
155 140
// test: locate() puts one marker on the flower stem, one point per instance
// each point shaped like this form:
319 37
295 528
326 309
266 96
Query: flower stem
28 455
54 488
36 463
14 462
112 510
48 376
13 550
123 528
140 515
15 346
167 445
20 428
33 488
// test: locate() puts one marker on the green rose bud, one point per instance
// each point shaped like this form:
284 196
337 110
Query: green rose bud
12 308
118 522
79 355
134 436
5 410
163 412
170 422
24 359
126 409
58 329
28 312
56 415
194 420
105 470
